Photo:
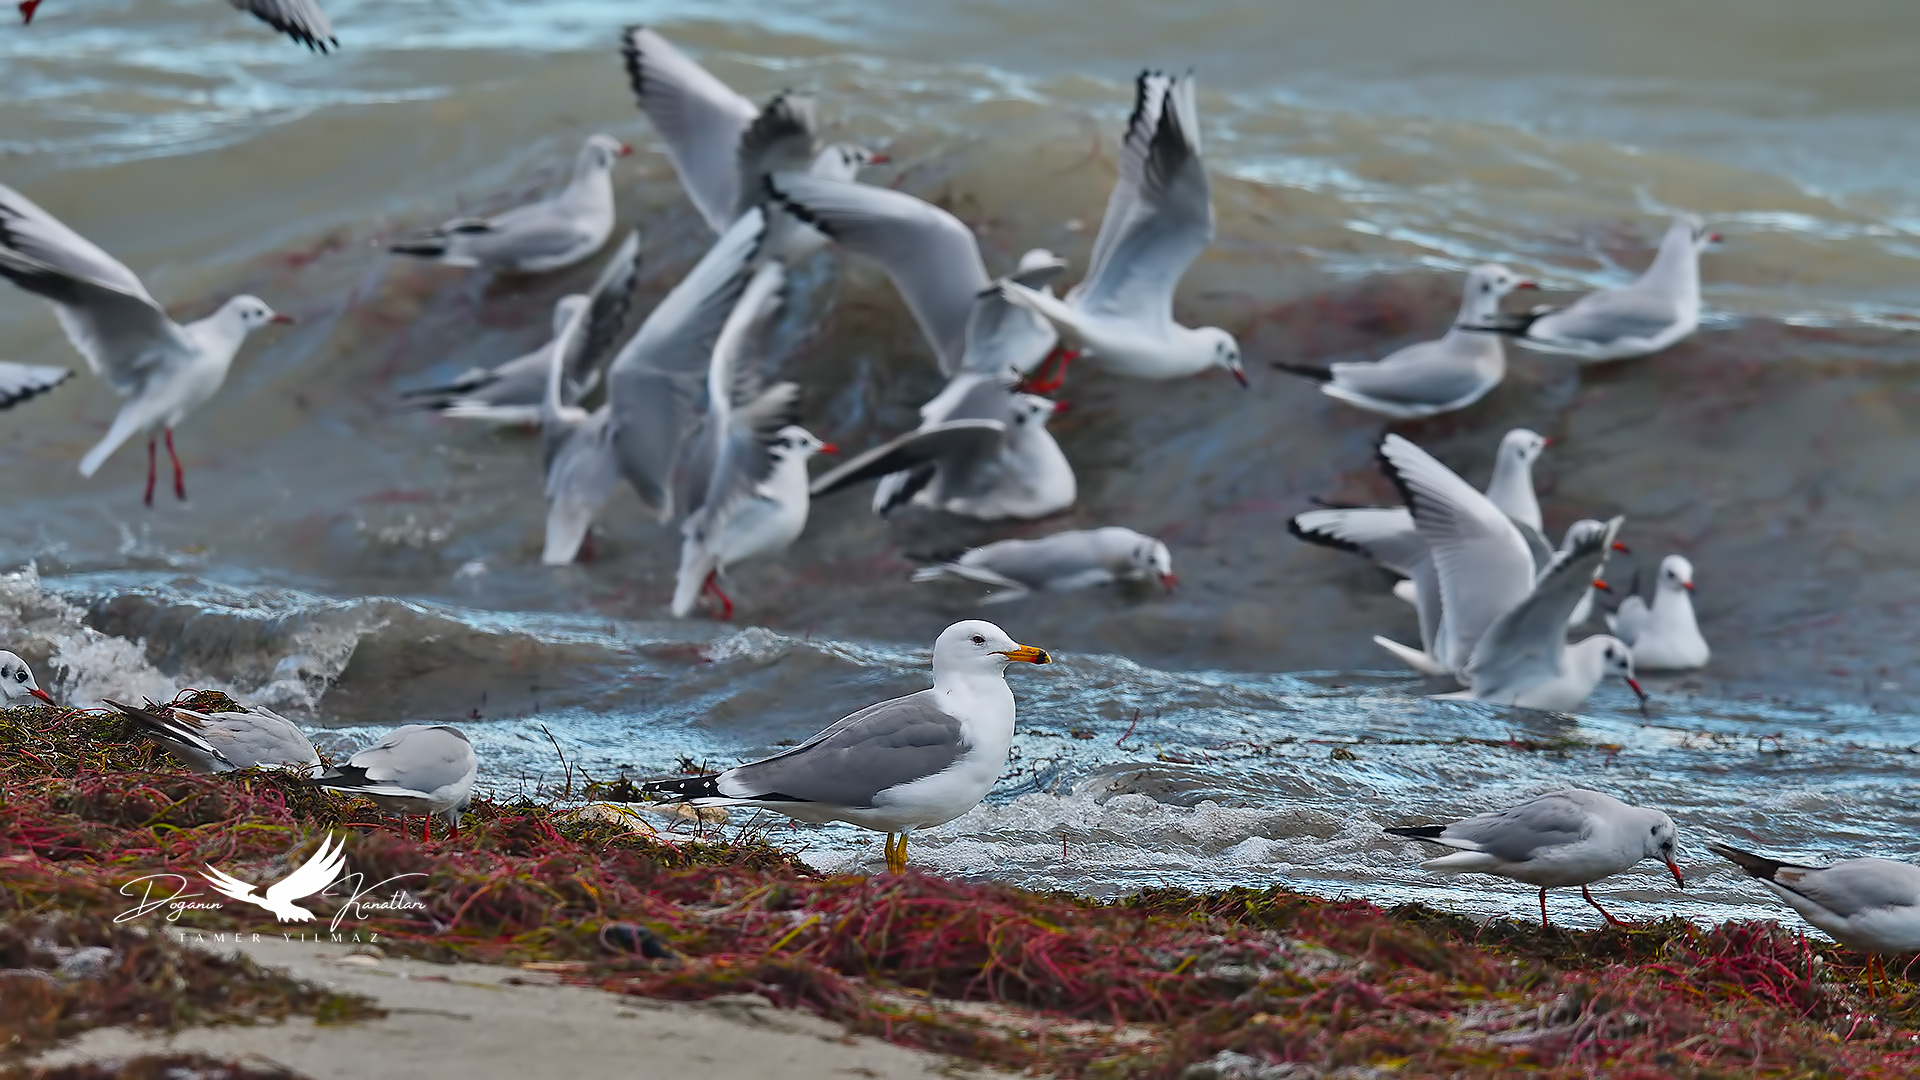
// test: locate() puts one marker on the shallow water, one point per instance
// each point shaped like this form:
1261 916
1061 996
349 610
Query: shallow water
364 566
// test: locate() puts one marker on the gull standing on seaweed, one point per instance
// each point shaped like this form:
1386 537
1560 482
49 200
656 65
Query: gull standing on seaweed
1659 309
1872 905
1566 837
1431 377
1664 635
17 681
724 149
18 382
163 369
547 235
1077 559
217 742
909 763
417 769
576 447
1159 219
301 20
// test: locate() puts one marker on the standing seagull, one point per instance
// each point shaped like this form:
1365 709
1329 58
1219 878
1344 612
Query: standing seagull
1566 837
1431 377
1664 635
531 239
163 369
576 447
909 763
1159 219
755 499
301 20
417 769
1640 319
1077 559
1872 905
17 681
18 382
254 737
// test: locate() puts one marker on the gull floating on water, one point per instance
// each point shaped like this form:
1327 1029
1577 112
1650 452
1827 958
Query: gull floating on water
1659 309
1077 559
910 763
163 369
547 235
754 501
509 393
1158 220
1872 905
17 681
417 769
254 737
1566 837
1431 377
1664 635
301 20
18 382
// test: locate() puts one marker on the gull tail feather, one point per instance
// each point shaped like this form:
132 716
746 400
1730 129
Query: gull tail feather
567 523
1305 371
125 426
696 564
1412 657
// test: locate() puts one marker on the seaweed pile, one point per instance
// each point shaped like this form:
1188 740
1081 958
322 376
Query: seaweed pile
1165 983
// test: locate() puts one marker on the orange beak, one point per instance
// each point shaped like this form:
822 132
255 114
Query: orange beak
1027 654
1601 585
43 696
1618 546
1635 685
1678 879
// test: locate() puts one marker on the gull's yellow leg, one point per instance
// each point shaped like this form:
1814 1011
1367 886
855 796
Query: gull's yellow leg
902 868
890 855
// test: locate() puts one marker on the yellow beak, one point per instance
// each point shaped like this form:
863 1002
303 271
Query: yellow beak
1027 654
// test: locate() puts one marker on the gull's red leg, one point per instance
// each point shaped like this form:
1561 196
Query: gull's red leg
1596 906
179 474
27 8
1543 909
152 459
426 828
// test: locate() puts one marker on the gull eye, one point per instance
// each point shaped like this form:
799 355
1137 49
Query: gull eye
1655 831
20 676
978 640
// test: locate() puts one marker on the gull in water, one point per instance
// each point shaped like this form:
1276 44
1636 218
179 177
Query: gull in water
163 369
547 235
301 20
17 681
1078 559
576 447
253 737
425 769
1872 905
1524 660
1431 377
1664 635
1640 319
909 763
723 148
754 501
1159 219
934 262
1566 837
18 382
510 393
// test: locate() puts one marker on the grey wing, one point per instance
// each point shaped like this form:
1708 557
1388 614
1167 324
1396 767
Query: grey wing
1518 833
418 757
1035 563
257 737
929 254
851 763
1541 552
956 444
1611 315
1167 223
608 305
1429 373
1004 338
1856 885
742 418
699 118
18 382
1528 643
780 139
582 464
1385 534
541 230
301 20
654 413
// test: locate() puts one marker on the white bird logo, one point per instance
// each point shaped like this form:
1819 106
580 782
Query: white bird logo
318 872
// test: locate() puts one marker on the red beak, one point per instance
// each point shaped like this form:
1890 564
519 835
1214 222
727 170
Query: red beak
878 158
1618 546
43 696
1687 586
1525 285
626 149
1061 406
1635 685
1677 879
1601 585
827 448
288 319
1169 581
1240 376
1546 440
1713 238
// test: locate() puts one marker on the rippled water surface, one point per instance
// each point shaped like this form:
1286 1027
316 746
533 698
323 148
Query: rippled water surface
362 566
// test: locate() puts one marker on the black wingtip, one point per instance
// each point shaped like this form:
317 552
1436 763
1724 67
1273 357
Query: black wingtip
787 203
8 401
1755 865
1417 832
1317 374
1321 539
1393 473
684 788
426 247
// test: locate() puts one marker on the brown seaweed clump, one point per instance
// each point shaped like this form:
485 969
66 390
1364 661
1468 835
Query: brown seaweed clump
1165 983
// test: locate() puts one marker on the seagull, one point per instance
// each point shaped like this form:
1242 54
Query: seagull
1872 905
982 451
934 261
301 20
510 393
1159 219
417 769
1078 559
17 681
531 239
1523 659
755 499
18 382
163 369
576 447
1566 837
252 737
1640 319
910 763
1664 635
1431 377
723 148
321 869
655 382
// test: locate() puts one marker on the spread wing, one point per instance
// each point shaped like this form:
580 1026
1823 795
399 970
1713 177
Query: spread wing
742 419
1002 337
780 139
18 382
1527 644
699 118
319 871
608 305
301 20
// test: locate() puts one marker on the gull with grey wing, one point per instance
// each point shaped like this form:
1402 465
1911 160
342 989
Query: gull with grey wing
551 234
426 769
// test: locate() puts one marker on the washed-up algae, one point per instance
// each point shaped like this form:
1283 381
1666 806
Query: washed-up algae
1165 983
